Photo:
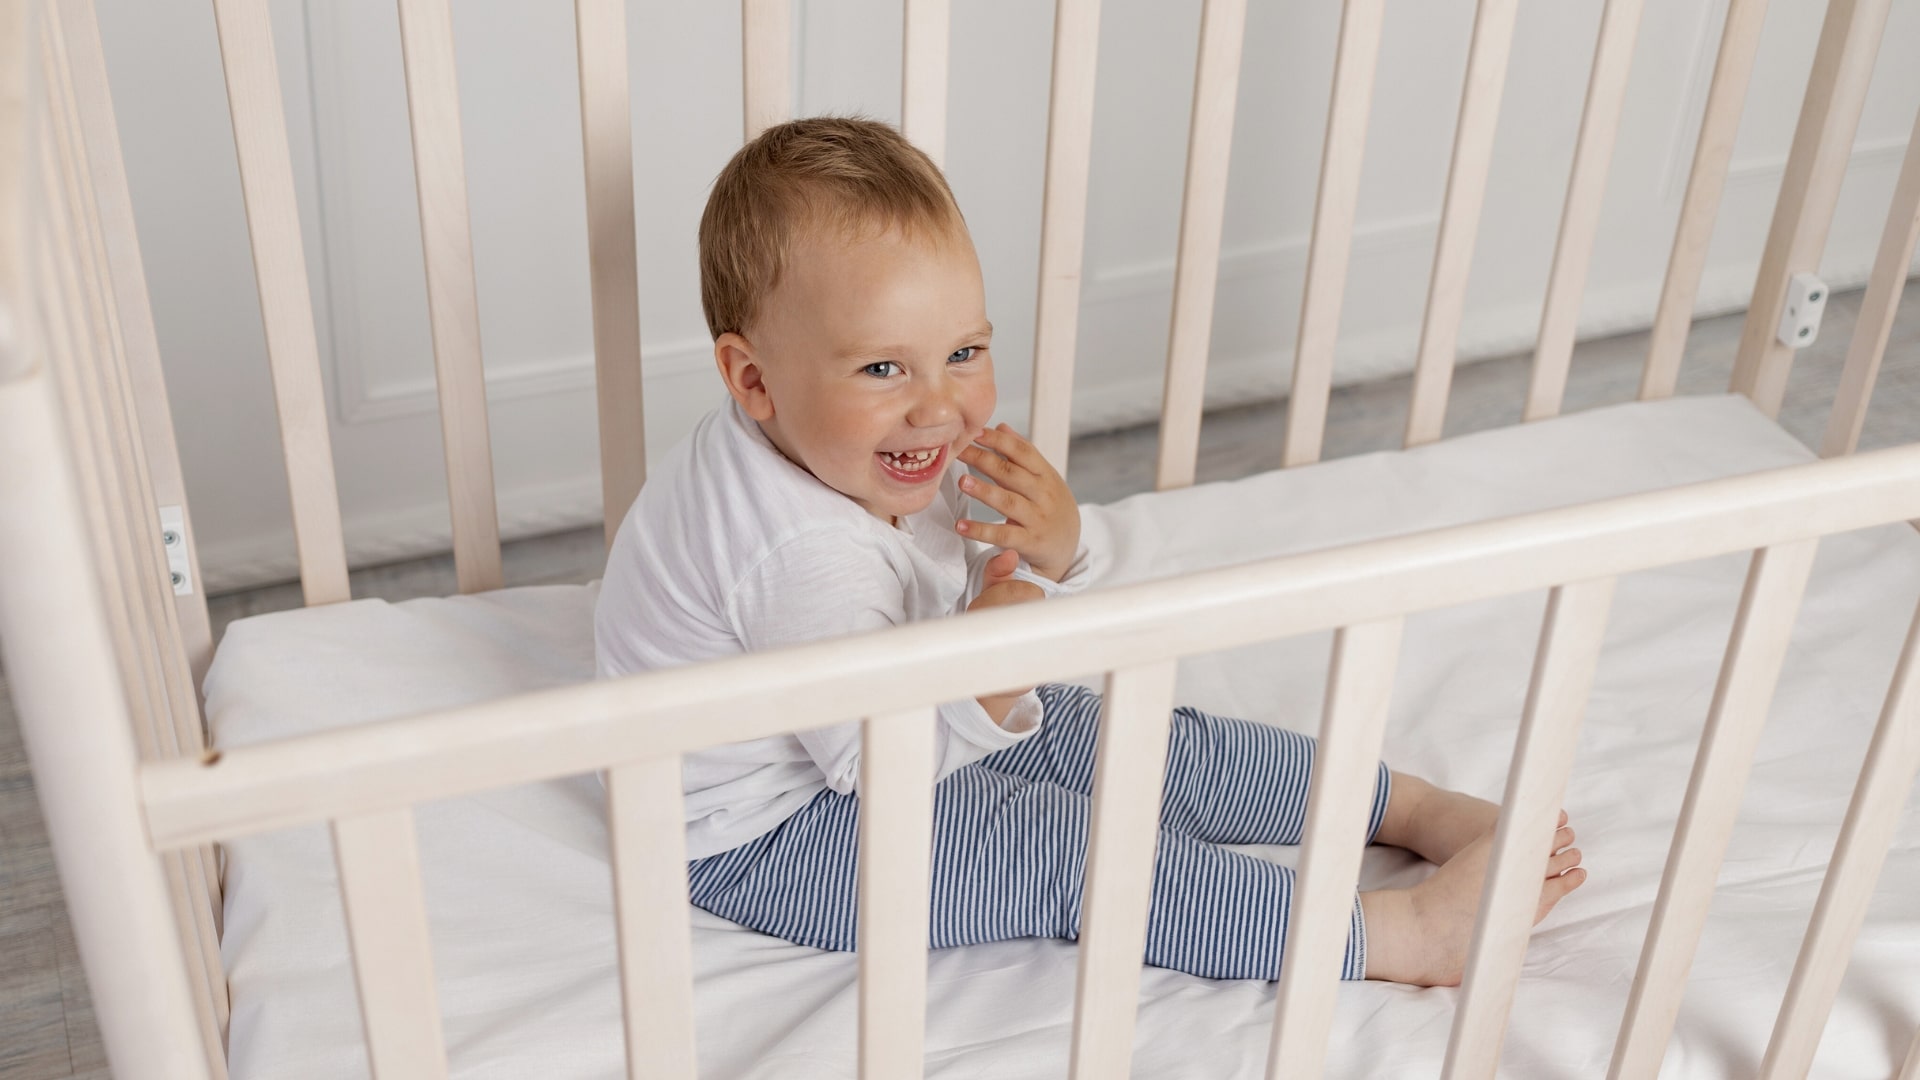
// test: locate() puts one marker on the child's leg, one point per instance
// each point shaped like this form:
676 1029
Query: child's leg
1009 861
1228 781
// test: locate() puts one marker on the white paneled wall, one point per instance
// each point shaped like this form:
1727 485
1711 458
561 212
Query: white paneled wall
340 67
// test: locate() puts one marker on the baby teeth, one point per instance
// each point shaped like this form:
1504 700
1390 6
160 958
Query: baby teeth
911 461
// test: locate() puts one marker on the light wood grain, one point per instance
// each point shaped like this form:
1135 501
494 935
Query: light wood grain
1334 206
1576 624
896 891
16 157
923 75
1063 224
1580 216
55 643
1761 630
1460 218
286 303
1726 99
440 181
1352 728
1877 308
1822 146
1196 268
134 314
573 729
379 863
162 706
1122 836
766 38
1885 780
606 136
120 293
647 837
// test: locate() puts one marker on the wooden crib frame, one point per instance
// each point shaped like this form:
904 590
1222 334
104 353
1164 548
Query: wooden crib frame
105 653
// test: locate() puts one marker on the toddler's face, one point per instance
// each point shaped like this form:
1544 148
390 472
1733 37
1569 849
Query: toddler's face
871 364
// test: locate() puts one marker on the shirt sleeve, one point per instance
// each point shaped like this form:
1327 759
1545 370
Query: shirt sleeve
830 583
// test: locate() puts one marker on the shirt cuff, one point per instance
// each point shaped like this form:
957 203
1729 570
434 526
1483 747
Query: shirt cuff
969 720
1070 582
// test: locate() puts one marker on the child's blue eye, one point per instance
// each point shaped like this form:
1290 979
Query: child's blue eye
878 369
961 356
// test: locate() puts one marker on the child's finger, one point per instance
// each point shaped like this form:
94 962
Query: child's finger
1001 567
1011 504
1010 446
987 532
992 464
1016 448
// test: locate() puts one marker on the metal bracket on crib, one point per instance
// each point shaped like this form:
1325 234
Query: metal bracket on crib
173 537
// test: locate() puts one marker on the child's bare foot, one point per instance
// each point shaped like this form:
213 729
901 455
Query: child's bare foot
1434 823
1420 935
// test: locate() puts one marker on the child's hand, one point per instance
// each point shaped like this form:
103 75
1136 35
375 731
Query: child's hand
1043 521
1000 588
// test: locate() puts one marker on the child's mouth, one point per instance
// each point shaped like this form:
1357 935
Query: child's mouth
913 466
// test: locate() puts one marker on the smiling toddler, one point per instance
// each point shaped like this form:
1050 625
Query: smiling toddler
831 495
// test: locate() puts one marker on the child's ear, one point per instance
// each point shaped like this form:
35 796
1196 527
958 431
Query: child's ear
740 369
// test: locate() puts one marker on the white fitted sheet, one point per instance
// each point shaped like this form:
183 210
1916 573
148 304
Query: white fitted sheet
519 893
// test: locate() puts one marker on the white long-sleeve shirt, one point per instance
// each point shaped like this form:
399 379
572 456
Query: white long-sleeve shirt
733 548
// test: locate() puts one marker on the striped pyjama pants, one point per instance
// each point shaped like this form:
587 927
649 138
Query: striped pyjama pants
1010 848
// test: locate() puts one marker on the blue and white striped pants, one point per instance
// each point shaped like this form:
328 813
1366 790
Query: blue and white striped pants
1010 848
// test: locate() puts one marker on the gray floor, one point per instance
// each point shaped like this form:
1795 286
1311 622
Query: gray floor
46 1024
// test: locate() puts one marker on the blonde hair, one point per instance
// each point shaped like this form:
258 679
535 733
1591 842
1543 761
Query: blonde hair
852 174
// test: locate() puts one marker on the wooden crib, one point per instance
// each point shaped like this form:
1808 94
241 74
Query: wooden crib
107 637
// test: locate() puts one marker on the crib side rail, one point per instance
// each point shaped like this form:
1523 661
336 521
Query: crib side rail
94 680
639 726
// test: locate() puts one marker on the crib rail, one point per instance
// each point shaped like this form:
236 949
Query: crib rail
641 725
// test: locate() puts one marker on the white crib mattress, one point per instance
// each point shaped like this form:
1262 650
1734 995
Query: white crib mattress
519 893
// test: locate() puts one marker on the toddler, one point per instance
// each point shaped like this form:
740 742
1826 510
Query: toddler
830 496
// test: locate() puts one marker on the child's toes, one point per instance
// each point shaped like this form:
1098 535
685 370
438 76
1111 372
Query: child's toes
1556 890
1563 862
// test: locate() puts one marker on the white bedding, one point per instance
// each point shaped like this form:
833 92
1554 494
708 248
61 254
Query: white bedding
520 899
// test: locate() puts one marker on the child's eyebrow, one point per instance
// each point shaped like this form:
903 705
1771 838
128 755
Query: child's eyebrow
985 329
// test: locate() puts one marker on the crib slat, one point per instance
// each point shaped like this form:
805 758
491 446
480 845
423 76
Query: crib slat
286 302
72 707
1727 95
379 863
1822 146
1460 217
1580 219
647 835
1203 209
923 67
133 310
1359 687
1877 309
766 38
1333 213
896 858
600 34
1129 777
92 372
1563 669
1775 584
439 166
1887 775
1063 224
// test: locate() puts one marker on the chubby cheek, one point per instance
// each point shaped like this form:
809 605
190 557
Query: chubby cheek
976 407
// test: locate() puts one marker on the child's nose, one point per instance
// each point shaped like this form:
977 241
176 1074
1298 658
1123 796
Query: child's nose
934 407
